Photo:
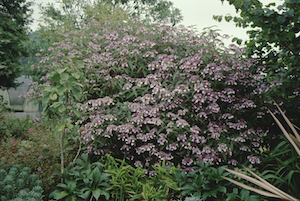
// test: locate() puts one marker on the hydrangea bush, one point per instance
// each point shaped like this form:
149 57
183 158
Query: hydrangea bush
161 93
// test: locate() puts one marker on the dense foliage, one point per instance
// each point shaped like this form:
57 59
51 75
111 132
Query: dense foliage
18 183
161 93
14 17
274 42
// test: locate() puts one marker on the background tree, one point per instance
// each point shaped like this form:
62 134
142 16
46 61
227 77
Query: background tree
151 11
275 42
14 18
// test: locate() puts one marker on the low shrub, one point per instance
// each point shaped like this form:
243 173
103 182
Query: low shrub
84 181
38 150
204 182
16 127
113 179
19 183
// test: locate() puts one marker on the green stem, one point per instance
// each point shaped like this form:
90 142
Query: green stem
79 149
62 153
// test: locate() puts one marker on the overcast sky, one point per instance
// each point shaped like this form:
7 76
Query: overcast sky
195 12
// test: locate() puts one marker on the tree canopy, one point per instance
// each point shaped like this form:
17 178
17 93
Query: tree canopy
14 18
275 42
149 11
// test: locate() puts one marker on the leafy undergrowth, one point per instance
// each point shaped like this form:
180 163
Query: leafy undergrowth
33 144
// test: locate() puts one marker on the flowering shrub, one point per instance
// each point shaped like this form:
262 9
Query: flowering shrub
161 92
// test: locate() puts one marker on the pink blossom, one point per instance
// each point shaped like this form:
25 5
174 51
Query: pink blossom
47 129
39 169
44 139
34 134
23 153
30 130
14 143
41 156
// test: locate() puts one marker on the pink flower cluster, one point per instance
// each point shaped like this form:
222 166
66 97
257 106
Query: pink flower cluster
163 93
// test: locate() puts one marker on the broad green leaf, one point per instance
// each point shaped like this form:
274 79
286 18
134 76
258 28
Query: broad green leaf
59 194
61 70
76 75
56 78
69 125
77 113
56 104
105 193
61 89
53 96
85 195
61 108
222 189
281 19
96 193
62 185
72 185
76 92
64 76
60 126
45 99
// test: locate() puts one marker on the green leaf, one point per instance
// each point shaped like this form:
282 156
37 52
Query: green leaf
60 126
96 193
64 76
77 112
228 18
56 104
76 92
45 99
61 89
281 19
222 189
105 193
85 195
61 108
56 78
62 185
76 75
53 96
60 71
72 185
69 125
57 195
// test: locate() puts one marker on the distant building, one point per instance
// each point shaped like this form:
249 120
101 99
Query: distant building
19 104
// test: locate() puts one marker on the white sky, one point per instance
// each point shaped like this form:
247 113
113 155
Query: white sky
195 12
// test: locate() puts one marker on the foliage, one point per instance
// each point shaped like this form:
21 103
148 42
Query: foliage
114 180
154 11
274 41
39 150
13 21
13 127
161 93
273 191
281 168
19 183
59 97
84 181
129 183
151 11
205 182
